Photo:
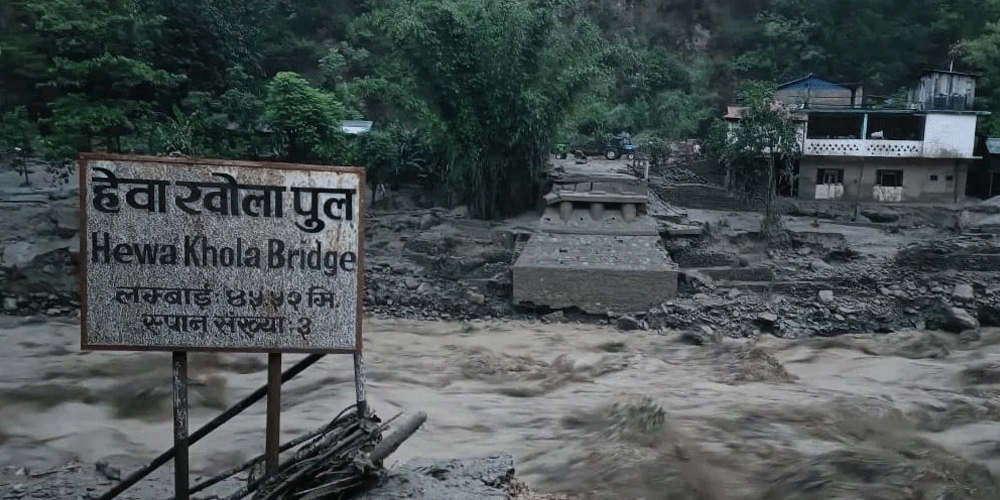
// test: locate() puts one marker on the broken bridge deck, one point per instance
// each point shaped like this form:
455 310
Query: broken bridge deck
596 248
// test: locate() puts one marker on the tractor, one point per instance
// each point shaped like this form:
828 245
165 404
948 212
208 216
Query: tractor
618 146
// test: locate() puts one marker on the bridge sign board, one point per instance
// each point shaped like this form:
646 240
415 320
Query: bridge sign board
183 254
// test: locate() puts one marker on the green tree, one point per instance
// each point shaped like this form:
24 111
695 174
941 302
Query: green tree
762 147
306 119
86 65
884 43
497 78
982 53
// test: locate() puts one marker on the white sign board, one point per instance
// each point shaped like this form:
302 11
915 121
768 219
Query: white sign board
192 254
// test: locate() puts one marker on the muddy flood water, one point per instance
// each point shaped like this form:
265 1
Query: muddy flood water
583 409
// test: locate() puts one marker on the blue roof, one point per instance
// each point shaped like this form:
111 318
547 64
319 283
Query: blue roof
811 82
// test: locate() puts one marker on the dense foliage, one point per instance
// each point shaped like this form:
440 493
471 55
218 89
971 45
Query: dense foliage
470 94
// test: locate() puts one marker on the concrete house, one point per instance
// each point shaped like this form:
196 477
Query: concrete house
859 148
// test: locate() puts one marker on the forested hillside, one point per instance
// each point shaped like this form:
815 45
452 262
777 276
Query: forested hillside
468 93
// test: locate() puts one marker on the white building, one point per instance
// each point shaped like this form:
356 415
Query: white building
917 150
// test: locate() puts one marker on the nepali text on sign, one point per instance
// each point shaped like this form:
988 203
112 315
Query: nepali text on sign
183 254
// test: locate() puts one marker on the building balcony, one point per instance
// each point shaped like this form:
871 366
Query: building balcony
863 147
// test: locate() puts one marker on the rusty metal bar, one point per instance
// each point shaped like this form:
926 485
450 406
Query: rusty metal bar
360 385
180 362
273 440
226 416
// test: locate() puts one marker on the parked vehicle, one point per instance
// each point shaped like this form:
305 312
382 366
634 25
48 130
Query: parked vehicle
620 146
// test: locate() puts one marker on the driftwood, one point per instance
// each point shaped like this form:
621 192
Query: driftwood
345 454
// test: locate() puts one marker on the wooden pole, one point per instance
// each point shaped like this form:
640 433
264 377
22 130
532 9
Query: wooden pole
180 364
359 385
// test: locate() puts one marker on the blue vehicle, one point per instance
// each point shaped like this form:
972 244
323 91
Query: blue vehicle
620 145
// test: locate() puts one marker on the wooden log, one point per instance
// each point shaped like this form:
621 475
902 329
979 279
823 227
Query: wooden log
391 443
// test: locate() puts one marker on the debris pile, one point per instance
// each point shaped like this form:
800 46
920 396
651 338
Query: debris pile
421 265
341 457
971 253
681 175
832 299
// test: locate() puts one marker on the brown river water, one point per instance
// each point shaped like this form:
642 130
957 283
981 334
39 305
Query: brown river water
582 408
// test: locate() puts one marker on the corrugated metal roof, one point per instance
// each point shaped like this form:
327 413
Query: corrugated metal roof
811 81
993 145
356 126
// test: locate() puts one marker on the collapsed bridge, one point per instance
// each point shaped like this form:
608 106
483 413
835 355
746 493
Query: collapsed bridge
596 248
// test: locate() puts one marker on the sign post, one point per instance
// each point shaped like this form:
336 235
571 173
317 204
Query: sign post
272 443
183 254
181 476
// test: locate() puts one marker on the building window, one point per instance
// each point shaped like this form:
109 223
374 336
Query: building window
949 178
896 127
889 178
934 178
834 126
829 176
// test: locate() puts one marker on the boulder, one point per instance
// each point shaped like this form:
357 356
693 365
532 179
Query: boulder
767 318
963 292
627 322
958 320
476 298
699 336
767 322
826 296
819 265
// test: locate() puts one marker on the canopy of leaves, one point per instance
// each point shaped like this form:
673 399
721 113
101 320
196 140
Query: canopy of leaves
983 53
306 119
468 94
497 76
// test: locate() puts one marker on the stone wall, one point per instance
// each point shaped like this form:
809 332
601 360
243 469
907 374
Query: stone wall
700 196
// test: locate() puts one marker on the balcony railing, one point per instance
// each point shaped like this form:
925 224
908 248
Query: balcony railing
863 147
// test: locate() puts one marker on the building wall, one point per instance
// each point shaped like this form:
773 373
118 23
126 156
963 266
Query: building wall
944 83
918 185
949 135
816 98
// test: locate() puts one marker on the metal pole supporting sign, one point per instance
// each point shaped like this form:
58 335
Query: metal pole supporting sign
272 444
180 365
359 384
